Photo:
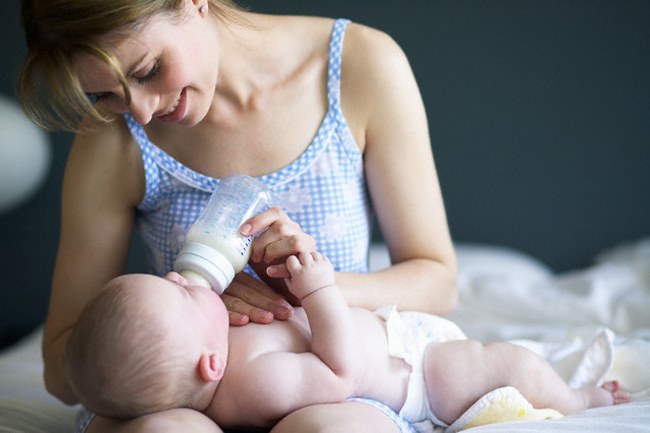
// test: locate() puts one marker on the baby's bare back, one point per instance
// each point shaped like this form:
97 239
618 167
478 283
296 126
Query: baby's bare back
241 400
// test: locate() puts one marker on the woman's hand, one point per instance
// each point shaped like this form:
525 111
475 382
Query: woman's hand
250 300
280 238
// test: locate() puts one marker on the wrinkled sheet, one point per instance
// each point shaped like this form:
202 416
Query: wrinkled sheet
592 324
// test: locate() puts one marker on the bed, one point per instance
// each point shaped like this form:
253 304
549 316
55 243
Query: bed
591 324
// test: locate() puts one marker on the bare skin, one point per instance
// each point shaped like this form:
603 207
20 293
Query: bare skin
460 372
247 82
351 344
254 376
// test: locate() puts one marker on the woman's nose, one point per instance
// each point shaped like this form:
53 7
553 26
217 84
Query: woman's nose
142 106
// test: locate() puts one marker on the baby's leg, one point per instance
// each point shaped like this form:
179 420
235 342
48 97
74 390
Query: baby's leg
458 373
169 421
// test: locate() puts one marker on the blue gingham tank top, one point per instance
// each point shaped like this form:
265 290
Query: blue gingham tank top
323 190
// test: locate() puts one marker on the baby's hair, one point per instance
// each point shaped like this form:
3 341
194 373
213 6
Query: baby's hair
123 360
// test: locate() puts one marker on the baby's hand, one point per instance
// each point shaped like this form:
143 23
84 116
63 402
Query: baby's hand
308 272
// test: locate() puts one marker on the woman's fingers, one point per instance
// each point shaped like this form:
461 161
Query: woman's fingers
249 299
278 271
262 221
279 236
238 319
269 249
240 313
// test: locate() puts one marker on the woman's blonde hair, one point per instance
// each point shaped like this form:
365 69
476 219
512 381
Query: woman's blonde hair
56 30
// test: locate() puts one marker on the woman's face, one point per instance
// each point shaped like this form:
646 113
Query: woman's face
171 68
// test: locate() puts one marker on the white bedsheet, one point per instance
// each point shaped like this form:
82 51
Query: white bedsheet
25 406
592 324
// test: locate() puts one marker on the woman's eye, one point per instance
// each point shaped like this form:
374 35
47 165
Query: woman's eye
150 75
96 97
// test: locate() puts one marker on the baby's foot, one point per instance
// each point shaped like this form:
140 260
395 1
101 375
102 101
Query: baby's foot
619 396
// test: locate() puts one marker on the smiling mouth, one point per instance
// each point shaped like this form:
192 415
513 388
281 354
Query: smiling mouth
173 108
177 111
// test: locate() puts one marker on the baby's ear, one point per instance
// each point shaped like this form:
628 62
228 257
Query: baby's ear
211 367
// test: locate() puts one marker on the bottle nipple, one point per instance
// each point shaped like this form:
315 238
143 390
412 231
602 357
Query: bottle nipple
205 265
196 279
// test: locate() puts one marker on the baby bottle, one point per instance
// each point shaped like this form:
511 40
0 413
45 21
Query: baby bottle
214 249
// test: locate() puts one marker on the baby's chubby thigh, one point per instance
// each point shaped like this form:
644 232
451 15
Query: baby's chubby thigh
458 373
349 416
169 421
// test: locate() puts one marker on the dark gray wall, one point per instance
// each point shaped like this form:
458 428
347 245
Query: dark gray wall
539 114
28 234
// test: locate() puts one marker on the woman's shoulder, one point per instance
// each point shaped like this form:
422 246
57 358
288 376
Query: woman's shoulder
114 131
368 50
107 153
373 65
105 141
361 39
365 48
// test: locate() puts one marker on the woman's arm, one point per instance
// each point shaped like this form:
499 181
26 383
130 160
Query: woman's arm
384 109
382 104
103 182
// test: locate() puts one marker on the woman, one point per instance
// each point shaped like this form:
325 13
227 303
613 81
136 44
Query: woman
168 96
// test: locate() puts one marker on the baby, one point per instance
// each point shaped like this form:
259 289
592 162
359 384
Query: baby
148 344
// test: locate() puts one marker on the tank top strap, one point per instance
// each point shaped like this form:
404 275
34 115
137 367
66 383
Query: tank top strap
147 151
334 66
335 112
160 169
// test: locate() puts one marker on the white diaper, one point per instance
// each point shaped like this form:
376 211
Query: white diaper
409 333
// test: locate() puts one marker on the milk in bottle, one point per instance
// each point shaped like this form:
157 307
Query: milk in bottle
214 249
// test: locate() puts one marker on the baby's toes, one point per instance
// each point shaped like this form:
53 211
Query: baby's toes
618 394
611 386
621 397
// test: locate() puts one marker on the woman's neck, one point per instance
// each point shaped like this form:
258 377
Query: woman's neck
256 56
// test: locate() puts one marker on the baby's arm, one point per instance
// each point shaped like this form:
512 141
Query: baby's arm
333 332
292 373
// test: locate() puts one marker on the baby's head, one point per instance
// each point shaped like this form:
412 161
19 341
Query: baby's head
146 344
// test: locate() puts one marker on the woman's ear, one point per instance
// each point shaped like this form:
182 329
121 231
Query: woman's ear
211 367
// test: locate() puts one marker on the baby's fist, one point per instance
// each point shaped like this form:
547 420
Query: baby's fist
309 272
